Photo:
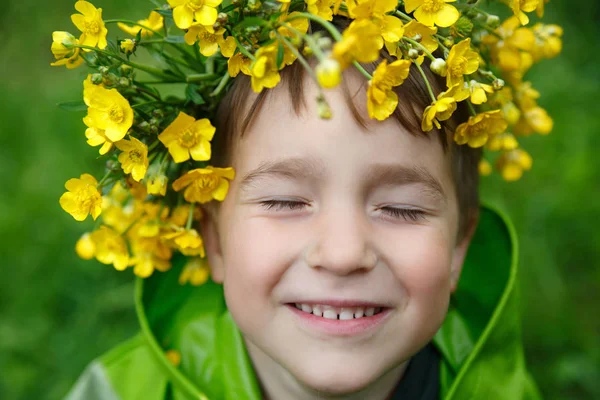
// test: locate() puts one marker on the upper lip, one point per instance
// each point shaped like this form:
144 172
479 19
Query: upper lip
341 303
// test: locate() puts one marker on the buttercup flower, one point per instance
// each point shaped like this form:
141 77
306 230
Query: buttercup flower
205 184
461 61
478 129
425 34
64 50
547 41
96 137
90 23
196 271
322 8
187 136
512 164
85 247
134 157
108 110
381 99
187 241
478 92
518 6
128 46
111 248
157 185
210 40
361 42
238 63
264 71
82 198
484 167
443 108
149 254
154 22
185 11
503 141
534 119
433 12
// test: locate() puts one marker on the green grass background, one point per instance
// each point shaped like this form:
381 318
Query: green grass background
58 312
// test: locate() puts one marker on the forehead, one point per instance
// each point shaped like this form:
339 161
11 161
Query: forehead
341 145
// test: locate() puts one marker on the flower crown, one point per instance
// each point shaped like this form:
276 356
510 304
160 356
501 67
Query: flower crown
157 153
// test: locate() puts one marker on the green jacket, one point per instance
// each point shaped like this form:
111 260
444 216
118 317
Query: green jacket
480 340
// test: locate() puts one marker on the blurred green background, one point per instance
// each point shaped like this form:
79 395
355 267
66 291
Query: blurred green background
58 312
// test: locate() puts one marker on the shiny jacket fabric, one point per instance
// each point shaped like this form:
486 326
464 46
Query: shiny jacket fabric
480 340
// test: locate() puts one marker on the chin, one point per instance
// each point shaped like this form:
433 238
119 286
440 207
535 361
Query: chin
336 380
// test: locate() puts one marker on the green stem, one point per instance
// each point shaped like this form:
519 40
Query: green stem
419 45
471 108
221 85
126 21
190 219
362 70
429 89
151 70
103 180
153 145
243 49
326 24
199 77
309 40
403 15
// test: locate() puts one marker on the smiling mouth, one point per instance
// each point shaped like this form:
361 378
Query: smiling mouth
337 313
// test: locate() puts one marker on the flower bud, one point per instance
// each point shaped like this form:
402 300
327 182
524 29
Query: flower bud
113 165
85 247
329 73
324 109
417 38
493 21
125 69
124 82
96 79
438 66
222 18
463 26
103 70
413 54
128 46
324 43
449 42
498 84
157 185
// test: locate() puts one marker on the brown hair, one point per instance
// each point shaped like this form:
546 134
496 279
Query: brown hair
234 117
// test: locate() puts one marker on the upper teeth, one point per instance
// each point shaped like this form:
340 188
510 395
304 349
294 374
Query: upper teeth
343 313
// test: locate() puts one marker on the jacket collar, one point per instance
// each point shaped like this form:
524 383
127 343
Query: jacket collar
481 322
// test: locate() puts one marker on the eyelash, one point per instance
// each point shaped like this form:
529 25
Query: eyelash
408 214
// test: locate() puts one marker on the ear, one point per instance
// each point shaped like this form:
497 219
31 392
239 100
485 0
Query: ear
460 251
209 231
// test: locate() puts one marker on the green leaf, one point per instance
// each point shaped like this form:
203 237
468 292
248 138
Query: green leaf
77 105
191 93
165 13
279 55
174 39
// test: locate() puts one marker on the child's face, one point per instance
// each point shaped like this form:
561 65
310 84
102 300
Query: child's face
335 241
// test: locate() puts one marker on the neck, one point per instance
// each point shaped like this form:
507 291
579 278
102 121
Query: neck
278 383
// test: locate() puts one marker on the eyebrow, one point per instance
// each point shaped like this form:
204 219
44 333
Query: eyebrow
398 175
297 168
289 168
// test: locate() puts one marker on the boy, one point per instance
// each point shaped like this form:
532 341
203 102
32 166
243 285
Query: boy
341 251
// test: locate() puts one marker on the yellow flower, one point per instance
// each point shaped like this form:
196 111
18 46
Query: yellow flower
548 43
518 6
185 136
210 40
412 30
128 46
503 141
64 50
185 11
157 185
478 129
180 214
381 98
443 107
328 73
367 9
205 184
134 157
478 91
322 8
149 254
509 44
111 248
154 23
238 62
461 61
534 119
97 137
90 23
108 110
264 71
82 198
512 164
485 168
196 271
433 12
187 241
85 247
361 42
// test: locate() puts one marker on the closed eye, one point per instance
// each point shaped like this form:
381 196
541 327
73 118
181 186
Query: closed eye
408 214
279 205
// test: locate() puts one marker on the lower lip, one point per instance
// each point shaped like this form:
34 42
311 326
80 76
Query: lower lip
339 327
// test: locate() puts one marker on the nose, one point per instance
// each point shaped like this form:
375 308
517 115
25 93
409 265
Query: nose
342 243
